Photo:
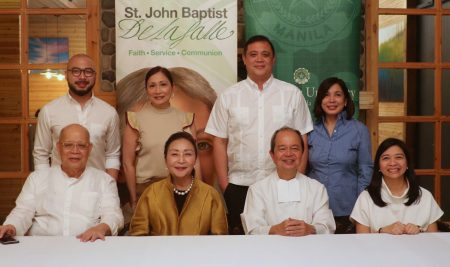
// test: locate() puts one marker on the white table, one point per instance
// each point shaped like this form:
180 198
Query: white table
214 251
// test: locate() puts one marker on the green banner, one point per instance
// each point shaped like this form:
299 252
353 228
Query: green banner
313 39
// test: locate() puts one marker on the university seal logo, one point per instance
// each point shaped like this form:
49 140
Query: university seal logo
301 76
303 23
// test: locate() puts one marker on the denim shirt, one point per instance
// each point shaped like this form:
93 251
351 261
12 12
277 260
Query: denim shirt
342 162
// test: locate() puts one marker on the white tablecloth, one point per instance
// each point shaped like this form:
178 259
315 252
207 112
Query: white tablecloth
214 251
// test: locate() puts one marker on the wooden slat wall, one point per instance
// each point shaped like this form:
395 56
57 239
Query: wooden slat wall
43 90
391 129
9 190
10 96
10 135
9 4
10 39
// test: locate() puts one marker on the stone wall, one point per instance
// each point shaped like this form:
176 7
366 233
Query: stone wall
108 45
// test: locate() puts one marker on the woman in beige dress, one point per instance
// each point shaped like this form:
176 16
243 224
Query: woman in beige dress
148 125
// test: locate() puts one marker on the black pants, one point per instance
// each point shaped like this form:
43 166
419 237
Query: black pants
344 225
234 196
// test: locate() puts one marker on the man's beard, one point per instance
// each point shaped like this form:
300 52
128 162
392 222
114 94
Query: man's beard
74 90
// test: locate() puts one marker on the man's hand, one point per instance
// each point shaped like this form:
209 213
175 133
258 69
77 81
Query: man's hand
8 229
94 233
292 227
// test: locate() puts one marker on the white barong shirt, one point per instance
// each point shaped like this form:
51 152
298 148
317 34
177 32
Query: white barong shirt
54 204
273 200
248 117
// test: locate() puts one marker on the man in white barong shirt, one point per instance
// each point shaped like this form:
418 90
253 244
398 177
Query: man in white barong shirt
80 106
244 118
287 202
68 199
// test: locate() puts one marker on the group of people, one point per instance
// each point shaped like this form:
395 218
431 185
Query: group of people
279 172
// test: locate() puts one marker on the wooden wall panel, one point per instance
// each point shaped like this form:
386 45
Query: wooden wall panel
10 93
9 4
9 190
394 129
10 144
10 39
43 90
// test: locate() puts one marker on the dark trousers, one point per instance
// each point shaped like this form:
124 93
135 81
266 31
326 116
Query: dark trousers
344 225
234 196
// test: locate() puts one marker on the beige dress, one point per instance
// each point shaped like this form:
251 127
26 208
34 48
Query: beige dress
154 127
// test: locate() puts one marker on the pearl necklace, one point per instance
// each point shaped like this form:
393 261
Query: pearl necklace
183 192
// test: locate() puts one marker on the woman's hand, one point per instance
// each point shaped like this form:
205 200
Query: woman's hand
133 204
412 229
396 228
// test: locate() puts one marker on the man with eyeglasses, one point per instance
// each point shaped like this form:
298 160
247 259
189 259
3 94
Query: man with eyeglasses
79 106
70 199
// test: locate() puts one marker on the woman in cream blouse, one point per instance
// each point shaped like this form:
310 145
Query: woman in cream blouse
180 204
148 124
394 203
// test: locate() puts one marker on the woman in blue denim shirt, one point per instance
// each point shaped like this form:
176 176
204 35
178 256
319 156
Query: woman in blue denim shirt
339 150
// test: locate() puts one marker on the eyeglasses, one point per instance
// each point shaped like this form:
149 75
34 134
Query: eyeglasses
72 146
77 72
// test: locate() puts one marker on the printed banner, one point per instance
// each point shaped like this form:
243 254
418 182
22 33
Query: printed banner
314 40
196 34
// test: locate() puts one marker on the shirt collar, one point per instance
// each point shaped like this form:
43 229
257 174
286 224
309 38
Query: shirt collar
287 190
342 116
341 120
72 100
253 85
72 179
388 197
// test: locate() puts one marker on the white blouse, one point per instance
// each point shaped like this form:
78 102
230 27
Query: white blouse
423 213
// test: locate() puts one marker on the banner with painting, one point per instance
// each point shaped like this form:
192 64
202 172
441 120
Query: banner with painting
313 40
195 39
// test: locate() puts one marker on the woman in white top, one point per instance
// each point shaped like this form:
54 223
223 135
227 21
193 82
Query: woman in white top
394 203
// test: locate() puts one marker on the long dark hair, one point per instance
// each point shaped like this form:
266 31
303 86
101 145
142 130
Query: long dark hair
374 188
181 135
155 70
324 86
